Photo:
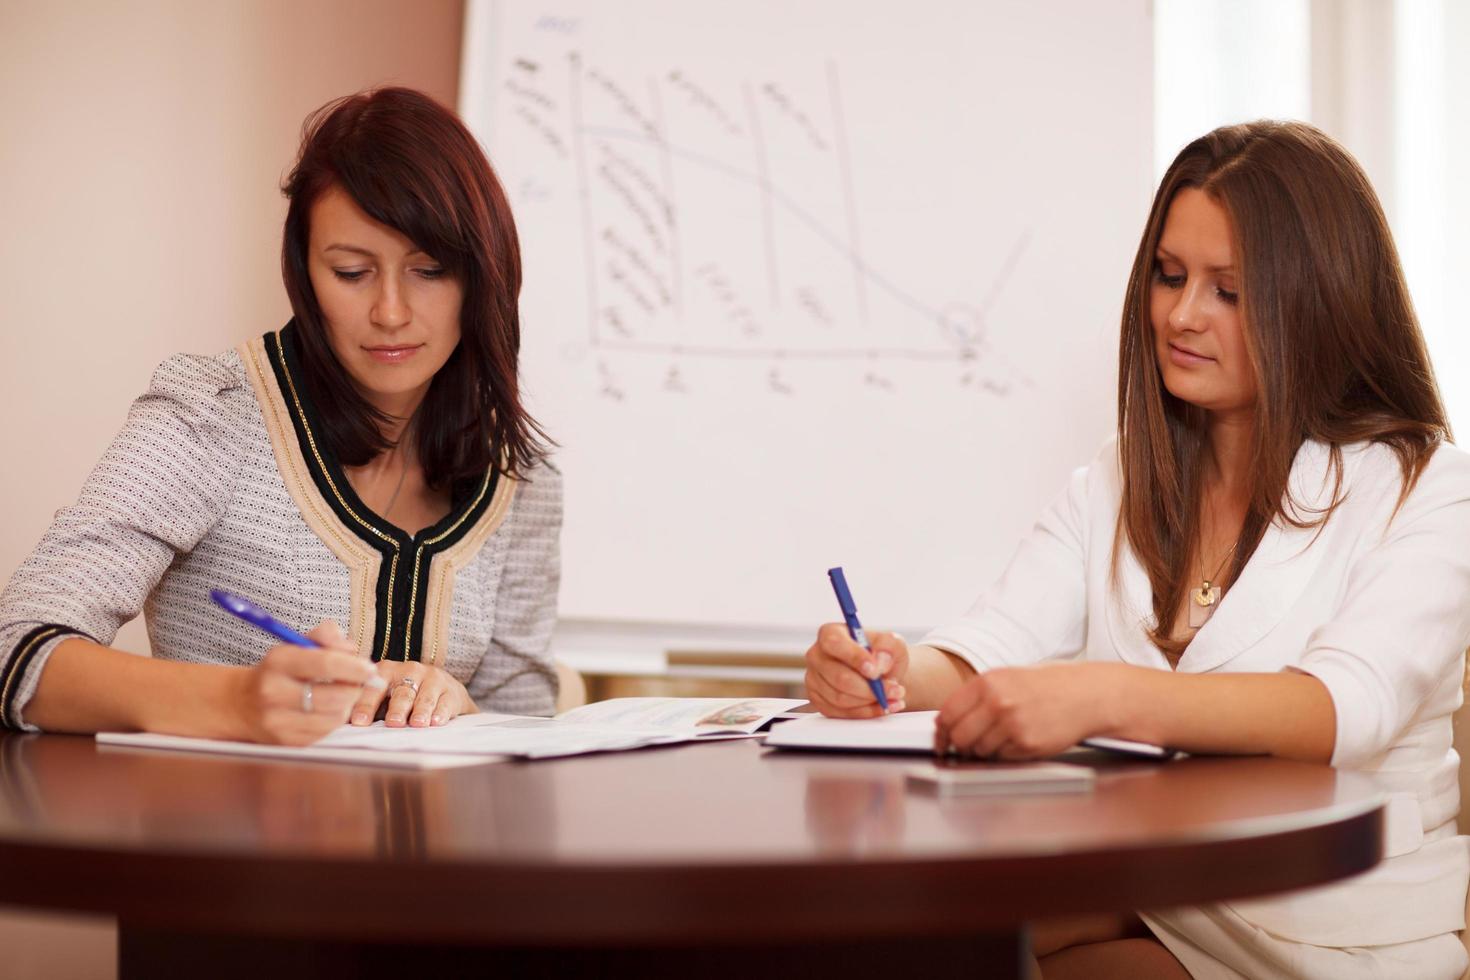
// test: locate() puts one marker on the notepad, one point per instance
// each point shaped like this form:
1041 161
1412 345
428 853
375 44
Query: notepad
989 779
907 732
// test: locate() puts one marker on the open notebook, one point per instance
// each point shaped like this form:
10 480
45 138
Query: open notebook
606 726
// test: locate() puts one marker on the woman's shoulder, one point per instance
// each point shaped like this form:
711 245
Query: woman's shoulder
538 487
1446 465
1102 476
1373 473
199 385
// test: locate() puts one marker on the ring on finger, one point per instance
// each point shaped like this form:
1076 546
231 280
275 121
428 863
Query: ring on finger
409 682
306 697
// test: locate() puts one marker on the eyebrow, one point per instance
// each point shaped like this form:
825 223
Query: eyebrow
355 249
359 250
1165 253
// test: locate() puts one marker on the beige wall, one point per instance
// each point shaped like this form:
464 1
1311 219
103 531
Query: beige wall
141 149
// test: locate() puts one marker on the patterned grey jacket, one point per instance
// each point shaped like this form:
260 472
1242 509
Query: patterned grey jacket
217 480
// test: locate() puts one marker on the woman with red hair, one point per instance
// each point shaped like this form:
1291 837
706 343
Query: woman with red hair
368 464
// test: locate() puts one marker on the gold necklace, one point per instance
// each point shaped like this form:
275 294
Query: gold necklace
394 499
1207 596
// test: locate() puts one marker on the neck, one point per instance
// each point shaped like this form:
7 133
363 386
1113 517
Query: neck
1228 461
399 409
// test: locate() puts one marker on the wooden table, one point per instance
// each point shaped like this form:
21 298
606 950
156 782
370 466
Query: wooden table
693 860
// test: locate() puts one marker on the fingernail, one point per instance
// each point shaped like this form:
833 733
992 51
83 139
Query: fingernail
438 719
884 663
896 706
375 681
870 669
360 718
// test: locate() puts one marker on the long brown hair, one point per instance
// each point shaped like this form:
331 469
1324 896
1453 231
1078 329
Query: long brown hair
1329 328
411 164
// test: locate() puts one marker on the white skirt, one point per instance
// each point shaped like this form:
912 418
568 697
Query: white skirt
1215 943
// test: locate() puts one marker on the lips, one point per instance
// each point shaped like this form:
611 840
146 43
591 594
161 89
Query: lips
393 353
1186 357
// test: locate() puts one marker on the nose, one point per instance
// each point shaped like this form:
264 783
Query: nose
390 310
1188 315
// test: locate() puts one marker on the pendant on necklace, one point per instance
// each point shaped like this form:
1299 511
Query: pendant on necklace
1202 604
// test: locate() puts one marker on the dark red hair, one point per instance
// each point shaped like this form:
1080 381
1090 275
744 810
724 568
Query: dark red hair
411 164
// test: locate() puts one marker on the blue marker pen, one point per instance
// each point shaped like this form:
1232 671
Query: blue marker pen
855 628
258 617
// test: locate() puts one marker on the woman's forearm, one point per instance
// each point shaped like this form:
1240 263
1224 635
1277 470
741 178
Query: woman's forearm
932 677
85 687
1284 714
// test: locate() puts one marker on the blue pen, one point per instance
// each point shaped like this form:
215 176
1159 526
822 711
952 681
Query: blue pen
855 628
256 616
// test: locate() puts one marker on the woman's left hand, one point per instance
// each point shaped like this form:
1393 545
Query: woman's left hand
1025 712
416 695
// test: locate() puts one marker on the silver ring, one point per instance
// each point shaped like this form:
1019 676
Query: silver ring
409 683
306 697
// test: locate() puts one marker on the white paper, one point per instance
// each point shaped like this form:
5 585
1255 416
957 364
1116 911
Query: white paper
702 715
606 726
310 753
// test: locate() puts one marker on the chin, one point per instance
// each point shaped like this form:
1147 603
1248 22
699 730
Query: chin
1189 393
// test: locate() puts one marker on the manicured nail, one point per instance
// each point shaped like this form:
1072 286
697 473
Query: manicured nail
360 718
894 707
438 719
885 662
375 680
870 669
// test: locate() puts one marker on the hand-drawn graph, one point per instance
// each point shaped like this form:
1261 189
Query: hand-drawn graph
720 217
812 283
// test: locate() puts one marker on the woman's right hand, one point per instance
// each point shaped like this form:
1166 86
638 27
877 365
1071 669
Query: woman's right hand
296 695
837 673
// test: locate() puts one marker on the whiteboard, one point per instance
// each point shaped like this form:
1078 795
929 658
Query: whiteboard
813 284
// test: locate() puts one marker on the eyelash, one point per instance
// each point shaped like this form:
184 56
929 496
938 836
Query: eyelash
353 275
1177 282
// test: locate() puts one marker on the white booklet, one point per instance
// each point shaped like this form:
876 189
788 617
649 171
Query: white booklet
604 726
909 732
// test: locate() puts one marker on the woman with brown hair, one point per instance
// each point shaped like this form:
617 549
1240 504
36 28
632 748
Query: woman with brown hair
1273 557
370 463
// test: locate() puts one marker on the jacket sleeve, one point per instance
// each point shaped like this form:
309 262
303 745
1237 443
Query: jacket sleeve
1038 608
1400 631
516 675
161 485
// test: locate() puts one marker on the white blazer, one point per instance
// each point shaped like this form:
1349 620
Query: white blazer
1374 604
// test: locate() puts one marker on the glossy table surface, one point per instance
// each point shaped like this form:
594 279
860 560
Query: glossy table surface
688 844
